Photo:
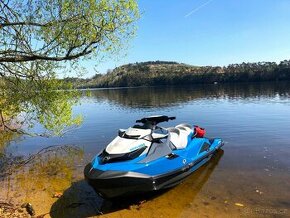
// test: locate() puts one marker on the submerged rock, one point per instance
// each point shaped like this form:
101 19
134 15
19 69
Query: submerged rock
28 208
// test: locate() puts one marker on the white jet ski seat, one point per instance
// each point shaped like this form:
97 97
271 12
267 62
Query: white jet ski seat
179 135
186 127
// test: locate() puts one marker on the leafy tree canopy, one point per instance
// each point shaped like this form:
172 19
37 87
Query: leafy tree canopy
60 30
38 38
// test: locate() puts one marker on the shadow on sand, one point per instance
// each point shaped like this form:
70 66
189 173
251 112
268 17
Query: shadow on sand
80 200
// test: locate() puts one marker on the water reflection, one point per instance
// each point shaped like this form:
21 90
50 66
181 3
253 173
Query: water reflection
81 201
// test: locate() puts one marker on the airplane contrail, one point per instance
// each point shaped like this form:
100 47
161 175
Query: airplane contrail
198 8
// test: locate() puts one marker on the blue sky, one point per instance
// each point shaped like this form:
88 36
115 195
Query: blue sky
208 32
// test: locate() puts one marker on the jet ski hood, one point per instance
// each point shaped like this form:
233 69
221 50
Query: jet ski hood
129 140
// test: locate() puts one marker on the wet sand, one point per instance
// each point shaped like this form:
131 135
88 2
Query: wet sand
217 189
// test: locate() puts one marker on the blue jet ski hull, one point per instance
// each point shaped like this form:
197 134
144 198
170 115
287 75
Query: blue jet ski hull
131 177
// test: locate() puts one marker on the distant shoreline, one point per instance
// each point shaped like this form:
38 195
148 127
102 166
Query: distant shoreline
161 73
187 85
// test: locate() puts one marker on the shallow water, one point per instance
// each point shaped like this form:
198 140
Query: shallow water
250 177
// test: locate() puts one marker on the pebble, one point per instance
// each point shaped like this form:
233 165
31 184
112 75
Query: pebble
132 207
239 204
57 195
142 202
16 195
28 208
23 205
205 203
19 210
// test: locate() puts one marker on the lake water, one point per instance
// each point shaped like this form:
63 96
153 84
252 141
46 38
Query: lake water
250 177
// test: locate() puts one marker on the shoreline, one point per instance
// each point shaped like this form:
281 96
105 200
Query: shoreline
181 85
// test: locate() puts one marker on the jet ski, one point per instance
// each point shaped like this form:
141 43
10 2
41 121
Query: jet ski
148 157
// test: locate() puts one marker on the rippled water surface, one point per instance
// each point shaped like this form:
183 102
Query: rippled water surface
250 177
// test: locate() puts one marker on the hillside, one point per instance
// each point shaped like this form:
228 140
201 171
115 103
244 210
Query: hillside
173 73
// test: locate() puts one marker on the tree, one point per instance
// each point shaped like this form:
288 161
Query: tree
59 30
38 38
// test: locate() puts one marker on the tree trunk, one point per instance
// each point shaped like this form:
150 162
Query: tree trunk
2 122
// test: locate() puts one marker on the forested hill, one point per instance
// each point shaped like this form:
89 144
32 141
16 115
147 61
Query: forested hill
156 73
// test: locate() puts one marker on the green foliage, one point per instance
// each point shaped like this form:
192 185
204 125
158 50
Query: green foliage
104 23
5 137
171 73
64 30
39 40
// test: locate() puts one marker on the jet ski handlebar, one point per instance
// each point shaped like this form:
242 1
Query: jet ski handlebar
155 119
